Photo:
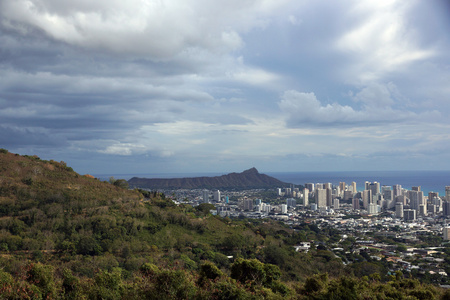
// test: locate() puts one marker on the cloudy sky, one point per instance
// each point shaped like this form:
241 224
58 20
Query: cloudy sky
156 86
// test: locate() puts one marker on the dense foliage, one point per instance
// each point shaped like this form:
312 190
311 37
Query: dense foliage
63 235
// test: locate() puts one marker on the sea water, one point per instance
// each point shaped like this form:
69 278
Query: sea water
434 181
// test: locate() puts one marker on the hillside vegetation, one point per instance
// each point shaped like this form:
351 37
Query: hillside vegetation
69 236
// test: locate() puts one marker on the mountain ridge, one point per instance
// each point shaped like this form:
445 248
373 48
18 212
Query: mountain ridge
247 179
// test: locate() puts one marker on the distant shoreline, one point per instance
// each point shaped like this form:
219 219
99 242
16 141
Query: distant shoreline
428 180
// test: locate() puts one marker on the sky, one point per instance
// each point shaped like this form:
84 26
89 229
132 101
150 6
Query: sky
167 86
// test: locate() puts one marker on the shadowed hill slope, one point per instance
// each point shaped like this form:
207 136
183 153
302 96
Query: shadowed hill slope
26 181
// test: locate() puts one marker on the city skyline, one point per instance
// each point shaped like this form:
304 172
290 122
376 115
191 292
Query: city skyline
188 86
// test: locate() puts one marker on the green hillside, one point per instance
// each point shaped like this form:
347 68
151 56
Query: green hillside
69 236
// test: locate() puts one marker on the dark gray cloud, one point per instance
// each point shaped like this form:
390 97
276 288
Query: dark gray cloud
225 84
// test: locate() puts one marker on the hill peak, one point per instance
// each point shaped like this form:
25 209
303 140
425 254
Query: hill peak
248 179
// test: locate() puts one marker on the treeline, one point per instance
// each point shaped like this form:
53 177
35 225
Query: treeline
248 279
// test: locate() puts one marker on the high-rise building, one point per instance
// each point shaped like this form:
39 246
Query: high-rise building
342 188
305 197
309 186
336 203
433 195
354 187
409 214
397 190
329 197
447 193
287 192
291 202
321 198
373 209
217 196
248 204
348 195
388 196
399 210
416 200
446 208
401 198
355 203
367 198
205 196
284 208
375 188
416 188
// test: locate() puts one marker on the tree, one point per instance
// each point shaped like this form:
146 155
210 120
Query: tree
122 183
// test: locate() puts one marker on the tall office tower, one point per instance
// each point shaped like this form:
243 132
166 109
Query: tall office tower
348 195
328 185
342 188
287 191
336 204
258 201
375 188
354 187
447 193
305 197
329 197
409 214
291 202
248 204
432 196
388 196
205 196
446 208
446 233
423 210
309 186
401 198
217 196
366 185
283 208
355 203
416 200
432 209
336 191
319 186
367 198
415 188
438 203
397 190
321 198
399 210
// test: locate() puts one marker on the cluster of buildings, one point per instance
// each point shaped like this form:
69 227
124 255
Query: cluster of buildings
407 204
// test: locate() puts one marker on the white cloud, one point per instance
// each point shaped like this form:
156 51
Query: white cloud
155 29
382 42
304 109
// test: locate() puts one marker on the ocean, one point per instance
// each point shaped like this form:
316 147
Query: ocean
434 181
429 181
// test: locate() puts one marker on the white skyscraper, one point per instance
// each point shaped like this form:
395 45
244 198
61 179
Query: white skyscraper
217 196
305 197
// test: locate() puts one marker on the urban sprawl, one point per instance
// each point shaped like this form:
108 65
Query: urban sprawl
405 227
